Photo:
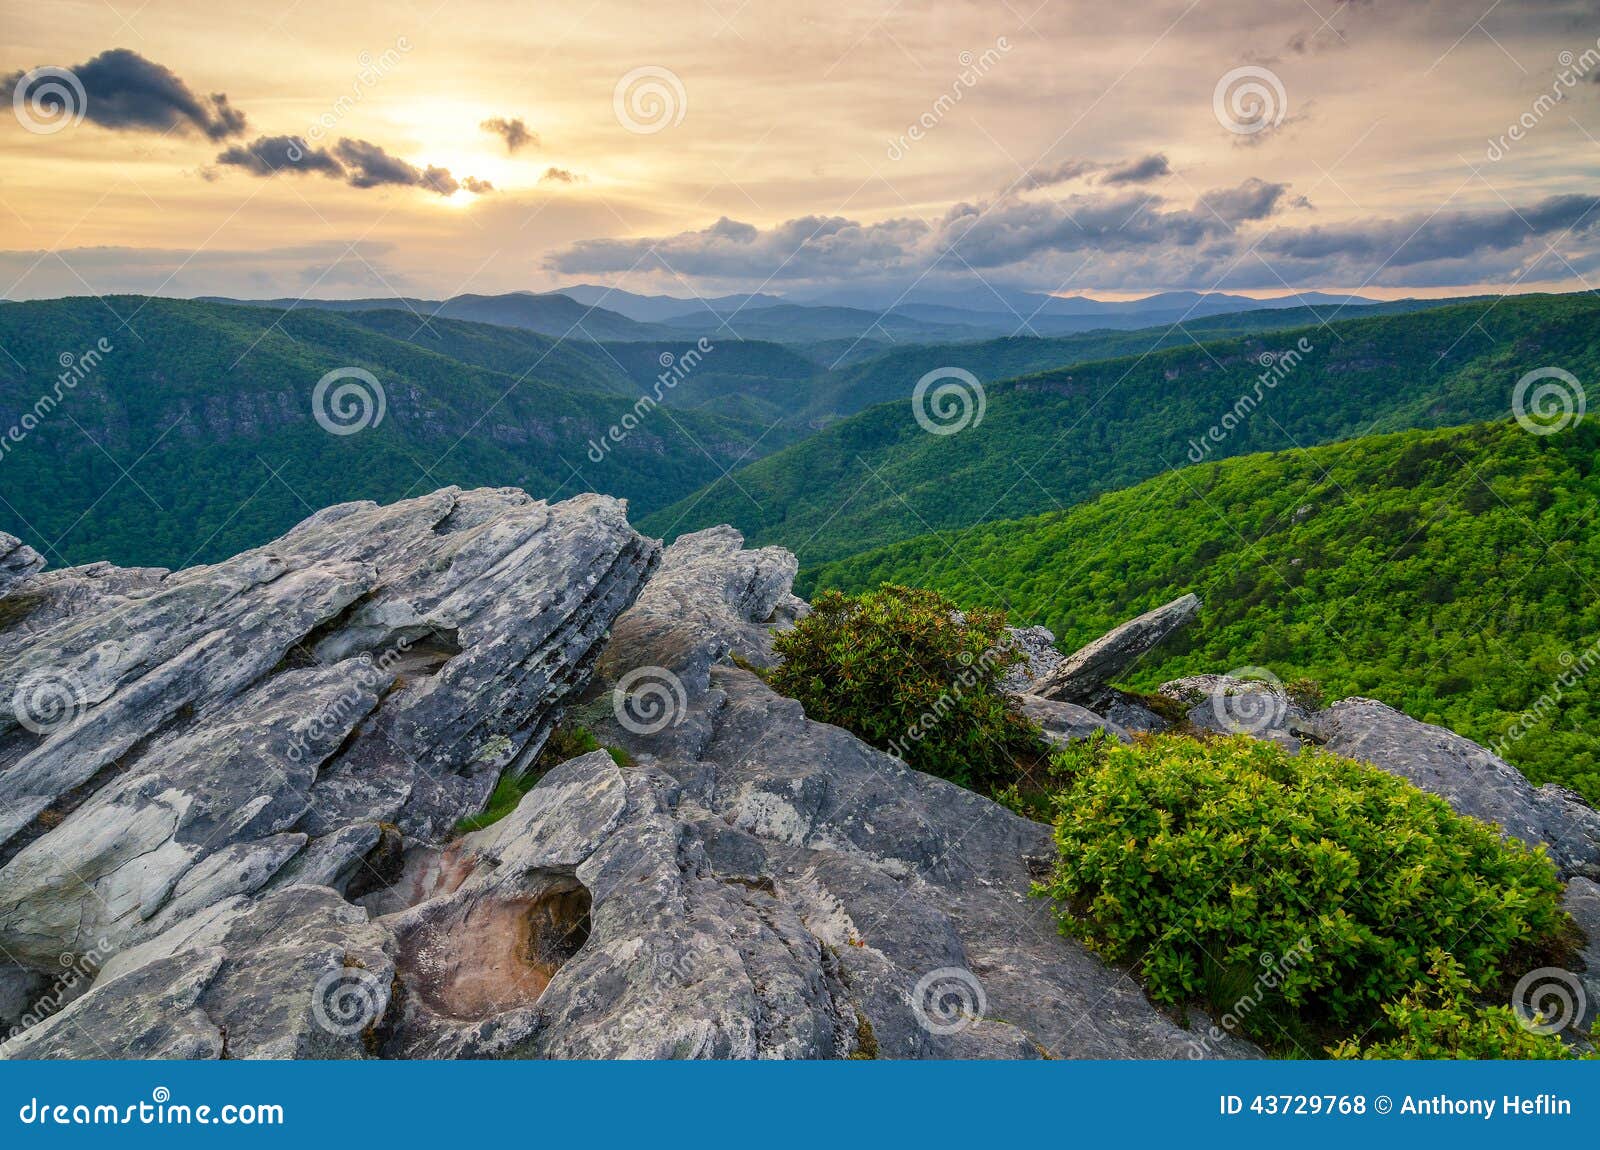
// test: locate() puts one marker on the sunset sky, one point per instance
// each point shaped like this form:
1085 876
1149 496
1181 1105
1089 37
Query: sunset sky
1090 148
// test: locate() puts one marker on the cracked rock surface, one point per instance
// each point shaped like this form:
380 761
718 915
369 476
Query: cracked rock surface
176 744
750 884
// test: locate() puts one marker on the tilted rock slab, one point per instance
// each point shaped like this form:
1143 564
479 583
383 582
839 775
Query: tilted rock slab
172 742
1083 675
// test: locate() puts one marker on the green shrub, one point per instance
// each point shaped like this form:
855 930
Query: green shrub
901 670
1440 1018
1196 861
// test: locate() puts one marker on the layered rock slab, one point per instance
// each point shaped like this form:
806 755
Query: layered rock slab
170 741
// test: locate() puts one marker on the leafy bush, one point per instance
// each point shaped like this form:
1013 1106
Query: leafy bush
904 671
1190 858
1443 1020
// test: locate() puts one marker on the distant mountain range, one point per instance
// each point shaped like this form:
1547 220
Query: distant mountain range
555 315
209 406
841 326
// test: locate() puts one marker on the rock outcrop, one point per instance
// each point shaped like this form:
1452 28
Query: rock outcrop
258 804
1236 705
176 744
1037 645
1082 676
236 787
1068 722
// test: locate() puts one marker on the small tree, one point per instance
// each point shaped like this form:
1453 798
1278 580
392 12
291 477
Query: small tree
908 673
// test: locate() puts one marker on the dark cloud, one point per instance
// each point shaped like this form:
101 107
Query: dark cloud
359 163
1229 237
1140 171
369 166
1137 171
372 167
1062 173
1255 199
560 176
125 92
1421 238
514 132
269 154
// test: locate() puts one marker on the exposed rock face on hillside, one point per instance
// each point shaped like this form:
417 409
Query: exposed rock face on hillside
1472 779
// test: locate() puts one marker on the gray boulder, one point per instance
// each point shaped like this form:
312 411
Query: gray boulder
1582 902
1040 658
1235 705
1472 779
1083 675
1067 722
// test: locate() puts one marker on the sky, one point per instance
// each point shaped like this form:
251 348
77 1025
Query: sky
798 147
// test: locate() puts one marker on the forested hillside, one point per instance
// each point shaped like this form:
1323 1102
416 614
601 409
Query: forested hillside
1050 440
1454 574
194 436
